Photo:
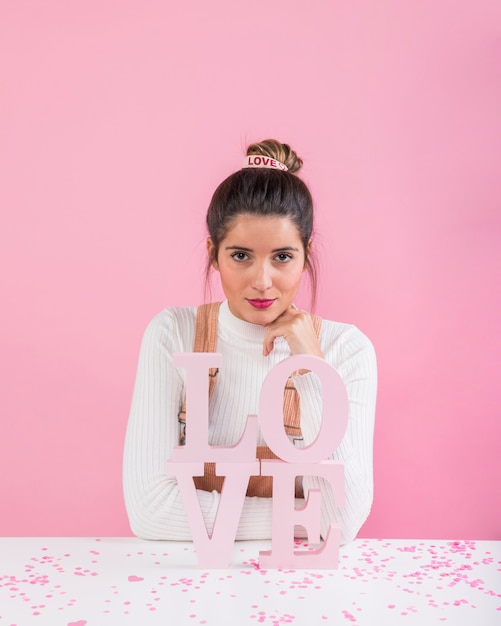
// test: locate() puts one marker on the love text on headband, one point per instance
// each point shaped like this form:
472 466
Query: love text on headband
254 160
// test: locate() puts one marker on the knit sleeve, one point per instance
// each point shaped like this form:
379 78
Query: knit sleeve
153 501
352 354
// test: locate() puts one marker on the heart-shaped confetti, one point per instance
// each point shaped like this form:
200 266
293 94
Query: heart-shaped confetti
135 579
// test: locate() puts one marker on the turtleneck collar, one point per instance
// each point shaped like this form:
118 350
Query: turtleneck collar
232 325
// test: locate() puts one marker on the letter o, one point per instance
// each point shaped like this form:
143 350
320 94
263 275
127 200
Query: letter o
334 410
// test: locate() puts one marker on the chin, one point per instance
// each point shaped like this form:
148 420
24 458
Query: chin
259 320
265 319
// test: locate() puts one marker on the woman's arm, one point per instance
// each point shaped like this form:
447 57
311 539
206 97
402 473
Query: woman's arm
352 354
152 498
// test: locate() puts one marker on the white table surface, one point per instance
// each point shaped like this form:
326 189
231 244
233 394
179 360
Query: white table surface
61 581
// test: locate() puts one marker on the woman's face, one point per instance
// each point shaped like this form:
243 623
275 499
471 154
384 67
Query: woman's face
261 261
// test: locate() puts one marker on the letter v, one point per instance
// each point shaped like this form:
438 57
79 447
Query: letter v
214 550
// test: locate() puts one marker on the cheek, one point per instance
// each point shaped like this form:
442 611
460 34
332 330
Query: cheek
230 279
291 282
296 276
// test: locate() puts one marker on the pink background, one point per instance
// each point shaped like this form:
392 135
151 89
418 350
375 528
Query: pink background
117 121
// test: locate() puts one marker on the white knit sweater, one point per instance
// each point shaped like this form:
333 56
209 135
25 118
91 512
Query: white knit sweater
152 498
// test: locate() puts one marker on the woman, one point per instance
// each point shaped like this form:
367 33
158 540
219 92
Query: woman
260 224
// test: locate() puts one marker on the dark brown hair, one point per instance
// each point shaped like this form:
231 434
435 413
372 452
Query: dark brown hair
268 193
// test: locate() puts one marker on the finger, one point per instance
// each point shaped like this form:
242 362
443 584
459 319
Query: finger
269 343
269 339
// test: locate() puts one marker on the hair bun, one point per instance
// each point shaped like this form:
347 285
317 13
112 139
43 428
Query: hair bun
278 151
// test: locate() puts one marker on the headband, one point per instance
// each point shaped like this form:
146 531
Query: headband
254 160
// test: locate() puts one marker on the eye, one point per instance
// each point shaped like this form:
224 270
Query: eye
239 256
283 257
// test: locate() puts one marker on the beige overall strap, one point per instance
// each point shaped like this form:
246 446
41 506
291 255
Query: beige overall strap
292 407
205 341
206 335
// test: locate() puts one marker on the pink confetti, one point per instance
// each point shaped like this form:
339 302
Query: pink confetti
135 579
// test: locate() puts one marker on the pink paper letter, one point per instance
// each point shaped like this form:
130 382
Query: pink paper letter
286 516
334 414
197 448
214 550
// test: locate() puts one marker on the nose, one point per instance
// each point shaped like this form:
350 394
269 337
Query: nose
261 280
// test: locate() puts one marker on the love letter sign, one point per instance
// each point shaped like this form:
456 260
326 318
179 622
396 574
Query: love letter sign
238 463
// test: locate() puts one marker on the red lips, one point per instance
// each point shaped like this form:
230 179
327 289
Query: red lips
260 304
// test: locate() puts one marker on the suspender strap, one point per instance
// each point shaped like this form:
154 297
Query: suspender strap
206 336
292 406
205 341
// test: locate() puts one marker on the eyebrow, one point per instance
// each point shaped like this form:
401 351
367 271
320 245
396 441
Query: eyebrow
244 249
